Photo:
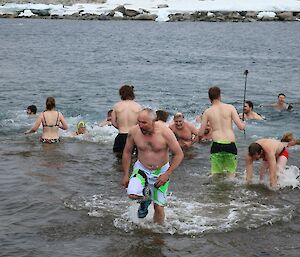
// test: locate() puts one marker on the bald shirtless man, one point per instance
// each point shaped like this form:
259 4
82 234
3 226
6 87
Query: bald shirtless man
124 116
185 132
249 114
149 180
220 116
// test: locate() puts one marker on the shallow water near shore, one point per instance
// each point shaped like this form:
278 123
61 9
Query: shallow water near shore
66 199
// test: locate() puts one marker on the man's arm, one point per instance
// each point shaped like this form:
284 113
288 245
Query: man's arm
194 132
126 159
204 122
176 160
258 116
114 121
270 157
262 170
249 169
236 119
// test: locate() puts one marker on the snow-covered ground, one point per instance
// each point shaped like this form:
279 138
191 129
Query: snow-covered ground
160 8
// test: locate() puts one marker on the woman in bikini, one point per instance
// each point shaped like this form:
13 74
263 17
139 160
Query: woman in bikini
51 121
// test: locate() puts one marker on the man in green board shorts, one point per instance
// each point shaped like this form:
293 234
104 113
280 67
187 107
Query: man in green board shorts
152 170
220 117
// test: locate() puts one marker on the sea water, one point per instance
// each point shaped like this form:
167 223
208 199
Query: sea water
67 200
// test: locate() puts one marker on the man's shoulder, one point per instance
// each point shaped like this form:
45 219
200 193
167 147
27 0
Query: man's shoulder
226 105
133 131
190 125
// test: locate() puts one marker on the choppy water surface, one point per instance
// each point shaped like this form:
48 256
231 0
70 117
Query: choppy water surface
66 200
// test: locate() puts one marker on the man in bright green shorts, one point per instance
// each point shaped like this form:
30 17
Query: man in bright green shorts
220 117
150 177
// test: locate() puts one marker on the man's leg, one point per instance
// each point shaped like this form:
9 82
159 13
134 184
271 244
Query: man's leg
159 214
230 164
216 164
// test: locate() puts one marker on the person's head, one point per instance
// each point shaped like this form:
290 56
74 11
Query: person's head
214 93
109 113
81 128
50 103
281 98
178 120
31 110
146 121
126 92
162 115
248 107
287 137
255 151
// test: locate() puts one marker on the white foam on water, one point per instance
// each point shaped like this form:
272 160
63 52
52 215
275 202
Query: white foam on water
244 208
189 217
289 178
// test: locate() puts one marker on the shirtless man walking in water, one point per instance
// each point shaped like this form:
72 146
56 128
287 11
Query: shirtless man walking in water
220 116
185 132
152 169
124 116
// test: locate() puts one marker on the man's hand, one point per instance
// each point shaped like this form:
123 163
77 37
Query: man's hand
125 181
161 180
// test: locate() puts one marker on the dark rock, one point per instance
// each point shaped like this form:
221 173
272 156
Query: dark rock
162 6
42 12
131 13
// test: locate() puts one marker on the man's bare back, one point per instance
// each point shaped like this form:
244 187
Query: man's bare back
220 117
125 115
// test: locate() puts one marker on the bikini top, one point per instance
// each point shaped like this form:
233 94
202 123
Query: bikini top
50 126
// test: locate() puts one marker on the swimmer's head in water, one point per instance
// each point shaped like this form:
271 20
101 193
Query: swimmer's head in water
81 124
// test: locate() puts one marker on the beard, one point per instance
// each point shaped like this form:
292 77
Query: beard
146 132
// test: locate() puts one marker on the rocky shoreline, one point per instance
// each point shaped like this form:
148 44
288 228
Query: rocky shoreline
123 13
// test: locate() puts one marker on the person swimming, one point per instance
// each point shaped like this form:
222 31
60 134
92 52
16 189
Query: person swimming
81 128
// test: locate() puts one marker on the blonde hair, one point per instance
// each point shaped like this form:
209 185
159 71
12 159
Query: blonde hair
287 137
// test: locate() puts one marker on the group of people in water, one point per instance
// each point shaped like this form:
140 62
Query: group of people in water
146 132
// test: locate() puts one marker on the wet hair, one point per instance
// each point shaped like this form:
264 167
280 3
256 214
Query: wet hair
214 93
250 104
50 103
287 137
109 112
126 92
162 115
32 108
254 148
178 115
151 113
281 94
